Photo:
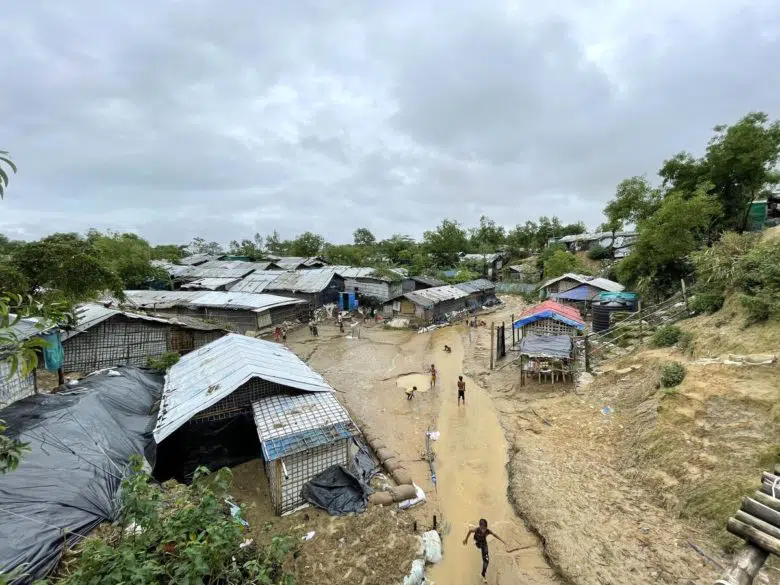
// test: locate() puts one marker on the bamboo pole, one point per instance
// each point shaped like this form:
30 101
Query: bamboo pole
747 564
754 536
758 524
761 511
767 500
492 339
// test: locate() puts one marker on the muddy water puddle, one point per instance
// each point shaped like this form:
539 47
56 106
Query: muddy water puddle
422 381
471 457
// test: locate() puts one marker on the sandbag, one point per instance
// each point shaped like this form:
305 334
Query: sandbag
417 573
381 498
376 444
432 546
402 477
391 464
403 492
384 454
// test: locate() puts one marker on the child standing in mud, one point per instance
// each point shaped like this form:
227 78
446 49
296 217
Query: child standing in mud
433 375
480 541
461 390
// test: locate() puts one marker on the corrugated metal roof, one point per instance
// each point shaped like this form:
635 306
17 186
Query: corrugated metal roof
90 314
207 375
210 283
606 284
429 280
592 237
475 286
489 258
305 281
198 272
570 275
28 327
160 299
288 424
196 259
256 282
431 296
238 300
293 262
550 309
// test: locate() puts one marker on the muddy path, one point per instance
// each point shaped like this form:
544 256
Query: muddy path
471 458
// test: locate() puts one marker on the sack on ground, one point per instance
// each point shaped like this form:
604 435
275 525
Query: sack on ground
402 477
403 492
384 454
376 444
391 464
381 498
432 546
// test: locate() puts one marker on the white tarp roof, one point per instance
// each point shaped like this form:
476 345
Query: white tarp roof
207 375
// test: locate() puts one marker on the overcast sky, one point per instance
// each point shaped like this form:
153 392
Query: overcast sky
193 117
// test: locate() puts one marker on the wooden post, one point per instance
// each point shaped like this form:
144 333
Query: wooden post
512 320
60 376
747 564
587 354
684 294
641 328
492 341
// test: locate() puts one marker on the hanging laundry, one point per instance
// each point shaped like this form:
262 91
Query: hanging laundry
53 354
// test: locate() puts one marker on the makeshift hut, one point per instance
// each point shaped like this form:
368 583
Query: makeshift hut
298 262
316 286
481 292
239 383
68 480
430 305
561 283
105 337
18 385
241 311
546 355
370 285
488 265
423 282
549 318
582 295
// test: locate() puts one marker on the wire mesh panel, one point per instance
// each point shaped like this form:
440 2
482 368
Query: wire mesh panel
241 399
16 387
302 467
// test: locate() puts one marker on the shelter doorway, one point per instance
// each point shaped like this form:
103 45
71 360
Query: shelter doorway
212 444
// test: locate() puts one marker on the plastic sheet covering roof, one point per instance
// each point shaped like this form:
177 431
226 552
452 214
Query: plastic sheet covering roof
551 310
239 300
476 286
489 258
431 296
578 293
207 375
549 346
66 484
288 424
210 283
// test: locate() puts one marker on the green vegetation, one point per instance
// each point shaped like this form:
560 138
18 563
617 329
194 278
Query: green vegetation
177 534
6 161
672 374
163 362
667 336
599 253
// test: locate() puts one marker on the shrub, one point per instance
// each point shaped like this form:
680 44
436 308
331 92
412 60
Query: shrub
599 253
667 336
759 281
707 302
163 362
185 534
685 342
672 374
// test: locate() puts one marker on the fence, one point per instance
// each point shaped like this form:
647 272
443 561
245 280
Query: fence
515 288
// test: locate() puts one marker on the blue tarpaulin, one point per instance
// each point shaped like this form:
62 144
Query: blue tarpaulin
547 315
578 293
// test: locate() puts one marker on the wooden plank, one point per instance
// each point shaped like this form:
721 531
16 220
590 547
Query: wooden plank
754 536
747 563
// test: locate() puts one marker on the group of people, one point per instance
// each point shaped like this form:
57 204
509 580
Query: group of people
280 333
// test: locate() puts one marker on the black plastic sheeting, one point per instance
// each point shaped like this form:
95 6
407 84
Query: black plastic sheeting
364 466
80 443
549 346
212 444
337 491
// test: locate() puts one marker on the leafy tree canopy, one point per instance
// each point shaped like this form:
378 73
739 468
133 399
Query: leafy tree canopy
128 256
307 244
446 242
364 237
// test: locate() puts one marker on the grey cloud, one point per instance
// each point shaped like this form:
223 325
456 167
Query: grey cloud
184 118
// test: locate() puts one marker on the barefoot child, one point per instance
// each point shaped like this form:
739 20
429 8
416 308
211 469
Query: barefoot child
410 392
480 541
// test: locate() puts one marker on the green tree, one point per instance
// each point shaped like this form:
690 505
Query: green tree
5 159
364 237
65 266
346 255
397 249
275 245
488 237
307 244
559 263
660 257
12 279
201 246
128 256
446 243
170 252
635 201
252 248
7 245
